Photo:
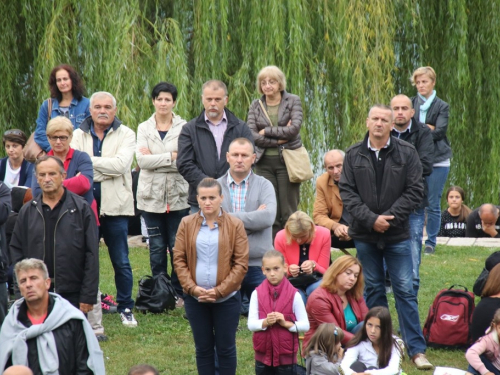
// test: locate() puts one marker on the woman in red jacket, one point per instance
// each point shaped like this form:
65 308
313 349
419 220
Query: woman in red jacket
306 249
339 299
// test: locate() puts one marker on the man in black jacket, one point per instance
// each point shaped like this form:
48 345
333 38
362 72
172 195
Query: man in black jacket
419 135
45 332
381 184
204 141
59 228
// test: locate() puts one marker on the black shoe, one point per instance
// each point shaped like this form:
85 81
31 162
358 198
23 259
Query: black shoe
101 337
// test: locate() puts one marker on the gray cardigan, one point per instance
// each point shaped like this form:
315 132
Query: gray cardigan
258 223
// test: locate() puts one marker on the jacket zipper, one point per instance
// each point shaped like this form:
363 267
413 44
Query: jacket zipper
55 231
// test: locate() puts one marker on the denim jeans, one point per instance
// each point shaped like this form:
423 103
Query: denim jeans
262 369
214 329
417 218
398 258
253 278
435 183
162 229
305 293
487 363
114 230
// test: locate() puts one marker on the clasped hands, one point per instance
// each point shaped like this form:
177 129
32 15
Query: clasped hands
205 295
306 267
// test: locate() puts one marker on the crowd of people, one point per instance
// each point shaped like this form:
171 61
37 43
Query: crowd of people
221 212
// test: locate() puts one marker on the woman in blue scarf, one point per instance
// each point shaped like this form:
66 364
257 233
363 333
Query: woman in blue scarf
433 112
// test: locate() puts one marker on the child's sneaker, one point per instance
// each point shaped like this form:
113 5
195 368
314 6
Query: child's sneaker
108 304
128 318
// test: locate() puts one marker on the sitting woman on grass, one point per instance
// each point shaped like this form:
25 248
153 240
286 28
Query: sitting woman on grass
454 218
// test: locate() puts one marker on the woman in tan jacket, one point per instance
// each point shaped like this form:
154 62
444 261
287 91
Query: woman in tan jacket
275 120
161 191
211 259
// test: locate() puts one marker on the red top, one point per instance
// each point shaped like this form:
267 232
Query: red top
325 307
37 321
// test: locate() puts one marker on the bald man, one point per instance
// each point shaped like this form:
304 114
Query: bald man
18 370
419 135
328 209
484 222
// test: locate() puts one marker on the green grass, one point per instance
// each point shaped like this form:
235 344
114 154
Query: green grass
165 340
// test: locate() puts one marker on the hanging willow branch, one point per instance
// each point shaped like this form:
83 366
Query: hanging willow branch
339 56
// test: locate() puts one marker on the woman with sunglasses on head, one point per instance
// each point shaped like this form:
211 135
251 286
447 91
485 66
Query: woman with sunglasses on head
66 99
14 169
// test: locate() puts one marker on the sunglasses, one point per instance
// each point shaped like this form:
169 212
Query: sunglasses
14 132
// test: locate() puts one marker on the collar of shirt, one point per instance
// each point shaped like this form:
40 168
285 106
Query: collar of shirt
204 222
398 133
230 179
207 120
377 150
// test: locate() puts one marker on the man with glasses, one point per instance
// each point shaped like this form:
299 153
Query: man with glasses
204 141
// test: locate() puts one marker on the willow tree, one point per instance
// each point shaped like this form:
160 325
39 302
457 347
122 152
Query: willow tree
339 56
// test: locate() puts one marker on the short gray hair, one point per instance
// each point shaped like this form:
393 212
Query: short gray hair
215 84
31 264
102 93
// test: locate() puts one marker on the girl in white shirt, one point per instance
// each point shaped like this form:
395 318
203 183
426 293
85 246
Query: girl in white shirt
374 350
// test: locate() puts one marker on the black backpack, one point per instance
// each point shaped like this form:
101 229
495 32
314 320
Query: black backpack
156 294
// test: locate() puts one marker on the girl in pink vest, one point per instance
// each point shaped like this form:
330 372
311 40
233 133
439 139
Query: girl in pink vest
276 315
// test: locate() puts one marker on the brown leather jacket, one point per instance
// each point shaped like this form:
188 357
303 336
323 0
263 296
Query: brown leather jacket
328 205
233 253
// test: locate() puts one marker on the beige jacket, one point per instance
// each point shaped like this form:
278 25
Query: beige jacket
232 263
113 168
159 181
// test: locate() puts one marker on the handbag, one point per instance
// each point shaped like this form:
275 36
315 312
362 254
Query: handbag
32 150
156 294
305 279
297 162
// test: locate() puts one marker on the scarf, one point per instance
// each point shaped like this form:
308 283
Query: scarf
14 336
424 105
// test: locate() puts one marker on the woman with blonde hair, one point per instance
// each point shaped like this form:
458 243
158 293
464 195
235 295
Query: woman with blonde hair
339 299
275 121
434 112
306 248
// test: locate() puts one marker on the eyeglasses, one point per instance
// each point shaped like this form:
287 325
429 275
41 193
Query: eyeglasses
270 82
14 132
62 138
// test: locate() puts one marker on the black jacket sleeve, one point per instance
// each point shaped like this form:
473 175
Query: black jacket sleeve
81 351
5 208
350 196
90 285
413 193
186 157
425 149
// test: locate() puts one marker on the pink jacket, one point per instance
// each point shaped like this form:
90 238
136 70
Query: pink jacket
487 345
319 250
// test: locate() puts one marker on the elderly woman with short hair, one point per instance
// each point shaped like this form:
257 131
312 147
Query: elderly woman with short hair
275 121
306 248
434 112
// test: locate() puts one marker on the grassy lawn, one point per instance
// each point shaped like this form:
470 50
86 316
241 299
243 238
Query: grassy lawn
165 340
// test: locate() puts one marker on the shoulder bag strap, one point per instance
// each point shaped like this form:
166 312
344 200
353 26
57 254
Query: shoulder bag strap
50 109
265 112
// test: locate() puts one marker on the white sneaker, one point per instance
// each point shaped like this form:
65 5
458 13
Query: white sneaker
128 318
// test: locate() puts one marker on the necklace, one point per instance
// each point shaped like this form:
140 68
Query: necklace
163 126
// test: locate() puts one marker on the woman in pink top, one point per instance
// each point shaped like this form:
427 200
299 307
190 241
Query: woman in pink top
306 249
